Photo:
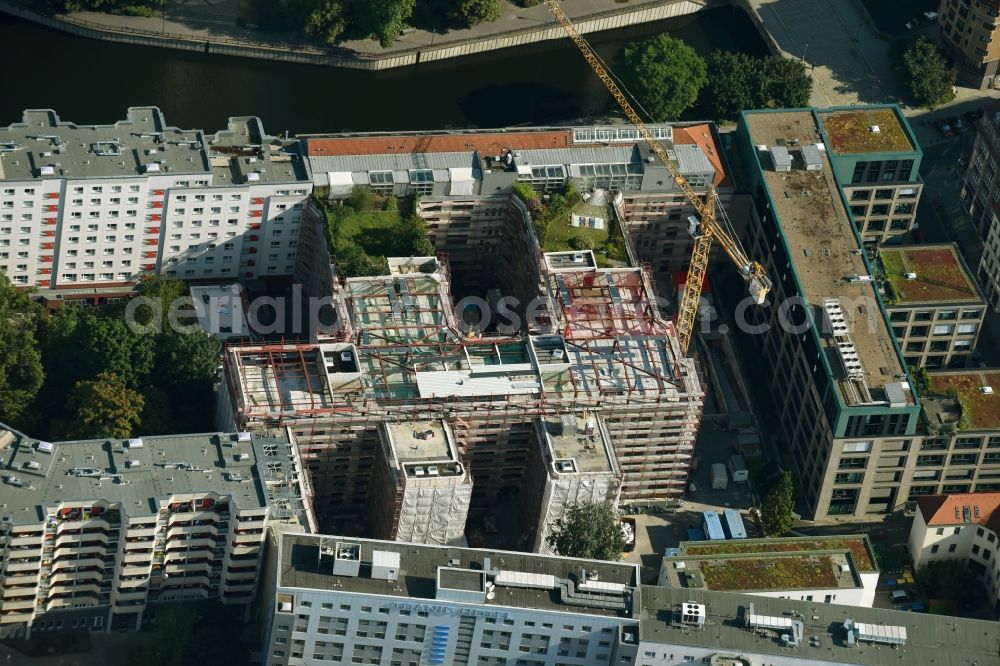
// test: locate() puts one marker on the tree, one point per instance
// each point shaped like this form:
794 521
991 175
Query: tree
590 531
327 21
927 76
184 360
474 12
105 344
776 512
737 81
949 579
384 19
21 373
105 407
665 74
413 237
788 84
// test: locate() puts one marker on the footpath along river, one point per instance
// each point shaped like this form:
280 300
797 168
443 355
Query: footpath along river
89 81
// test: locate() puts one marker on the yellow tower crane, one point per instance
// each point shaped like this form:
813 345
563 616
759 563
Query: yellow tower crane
704 227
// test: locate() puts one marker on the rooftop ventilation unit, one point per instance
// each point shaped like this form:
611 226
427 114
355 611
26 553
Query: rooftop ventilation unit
988 390
693 613
44 447
134 443
911 276
385 565
346 559
565 465
874 129
874 633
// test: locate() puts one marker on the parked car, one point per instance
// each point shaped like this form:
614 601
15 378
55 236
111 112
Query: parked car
945 129
930 15
900 596
956 124
914 608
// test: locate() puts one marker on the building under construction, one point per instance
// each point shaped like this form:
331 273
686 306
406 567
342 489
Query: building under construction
406 386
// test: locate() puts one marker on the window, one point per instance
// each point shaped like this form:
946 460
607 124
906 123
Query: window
934 549
856 447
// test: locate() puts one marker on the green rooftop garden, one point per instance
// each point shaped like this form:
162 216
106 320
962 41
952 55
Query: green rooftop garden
850 132
769 573
940 276
979 410
552 218
857 547
366 228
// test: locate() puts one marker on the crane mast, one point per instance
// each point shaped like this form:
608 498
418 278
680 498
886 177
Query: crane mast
704 228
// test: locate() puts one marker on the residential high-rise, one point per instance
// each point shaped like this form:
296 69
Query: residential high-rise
87 210
969 30
91 532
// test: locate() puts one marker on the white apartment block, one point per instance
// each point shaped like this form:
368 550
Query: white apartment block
99 207
339 600
91 532
963 527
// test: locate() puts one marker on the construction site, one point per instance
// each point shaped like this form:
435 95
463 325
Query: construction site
415 424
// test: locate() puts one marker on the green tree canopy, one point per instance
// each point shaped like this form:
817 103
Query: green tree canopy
21 373
926 74
327 21
665 74
185 359
474 12
106 344
776 511
591 531
104 407
949 579
383 19
737 81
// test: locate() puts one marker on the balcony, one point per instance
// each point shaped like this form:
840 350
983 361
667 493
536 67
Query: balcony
68 551
174 569
241 575
21 566
140 532
70 539
181 530
77 522
22 591
73 564
193 516
32 540
24 579
75 576
24 604
66 602
189 545
11 616
138 558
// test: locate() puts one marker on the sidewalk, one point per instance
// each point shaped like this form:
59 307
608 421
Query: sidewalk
216 21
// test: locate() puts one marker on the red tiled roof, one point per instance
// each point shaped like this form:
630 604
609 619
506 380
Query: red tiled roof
701 136
492 143
943 509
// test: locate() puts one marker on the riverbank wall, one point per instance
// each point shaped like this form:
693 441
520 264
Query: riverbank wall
611 19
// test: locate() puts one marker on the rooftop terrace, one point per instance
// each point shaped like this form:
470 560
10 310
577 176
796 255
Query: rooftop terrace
940 275
828 260
851 132
138 472
980 410
578 444
931 640
522 580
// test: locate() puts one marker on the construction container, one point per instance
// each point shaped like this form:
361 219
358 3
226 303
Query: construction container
738 469
720 479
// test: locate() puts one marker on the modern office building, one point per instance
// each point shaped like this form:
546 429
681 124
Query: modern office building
838 570
591 346
346 600
465 177
837 377
88 210
963 527
94 531
934 305
989 265
981 182
969 29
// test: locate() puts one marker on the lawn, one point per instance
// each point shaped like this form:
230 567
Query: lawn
558 235
940 276
770 573
981 409
857 547
850 133
372 230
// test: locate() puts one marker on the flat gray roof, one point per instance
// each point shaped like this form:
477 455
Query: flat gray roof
419 441
39 474
43 146
589 453
824 250
933 640
418 573
123 149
